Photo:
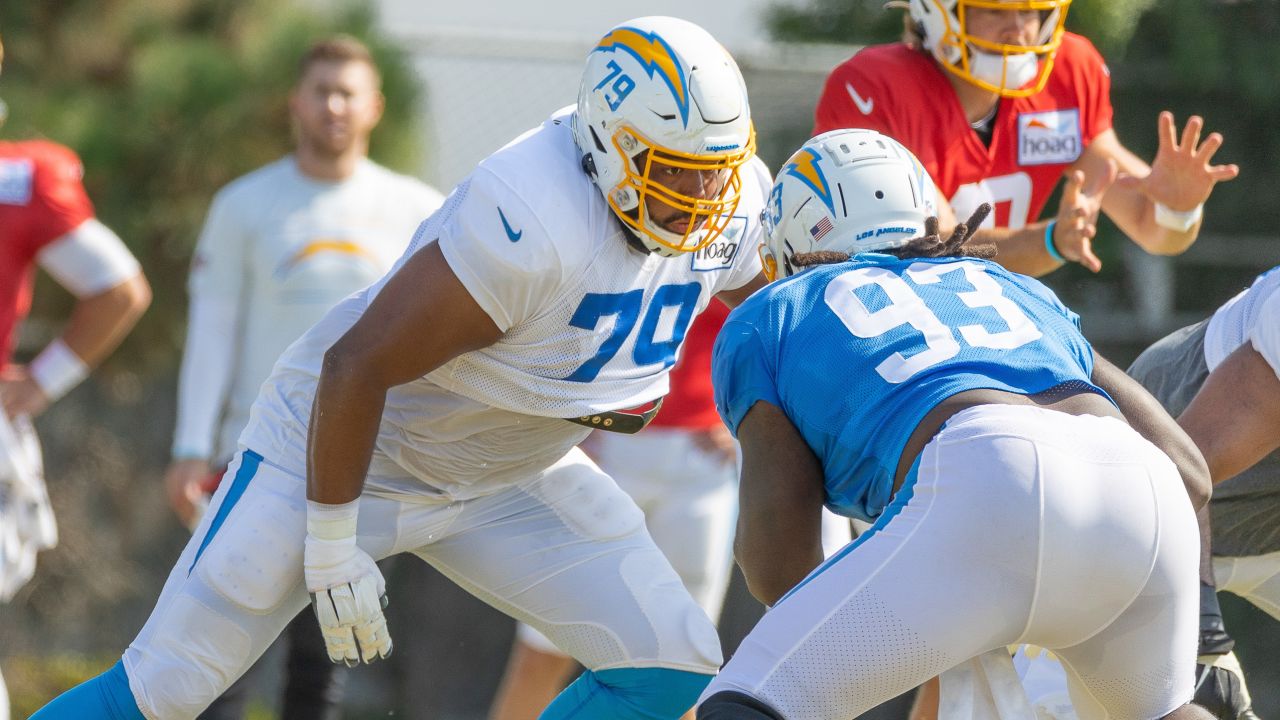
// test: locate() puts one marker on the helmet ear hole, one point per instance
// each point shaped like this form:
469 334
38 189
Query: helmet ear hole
589 165
879 194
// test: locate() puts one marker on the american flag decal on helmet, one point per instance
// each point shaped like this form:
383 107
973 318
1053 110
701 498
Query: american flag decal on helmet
823 227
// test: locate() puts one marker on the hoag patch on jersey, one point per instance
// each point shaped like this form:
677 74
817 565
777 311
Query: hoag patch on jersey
16 178
1051 137
719 254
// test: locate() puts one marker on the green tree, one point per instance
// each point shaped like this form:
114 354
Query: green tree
166 101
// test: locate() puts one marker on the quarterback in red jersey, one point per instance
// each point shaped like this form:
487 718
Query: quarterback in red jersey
998 102
47 220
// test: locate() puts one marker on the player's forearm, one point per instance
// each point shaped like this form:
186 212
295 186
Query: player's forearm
98 323
773 560
1022 250
343 429
1135 215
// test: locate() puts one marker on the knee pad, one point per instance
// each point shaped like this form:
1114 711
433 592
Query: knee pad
730 705
628 694
106 697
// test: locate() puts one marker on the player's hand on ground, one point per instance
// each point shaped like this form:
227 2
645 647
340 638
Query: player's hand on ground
348 594
1181 175
19 393
182 486
1078 210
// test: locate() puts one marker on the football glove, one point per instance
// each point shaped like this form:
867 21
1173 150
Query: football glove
348 594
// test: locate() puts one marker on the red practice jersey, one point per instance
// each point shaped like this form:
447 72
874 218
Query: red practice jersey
903 93
690 403
42 198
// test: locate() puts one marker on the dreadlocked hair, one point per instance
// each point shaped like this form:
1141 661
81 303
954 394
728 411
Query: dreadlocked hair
959 244
930 245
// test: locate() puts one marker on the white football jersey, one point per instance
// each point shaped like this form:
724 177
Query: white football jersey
589 324
1251 316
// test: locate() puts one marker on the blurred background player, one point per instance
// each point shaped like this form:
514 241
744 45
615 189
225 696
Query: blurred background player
995 421
280 247
682 471
998 102
46 220
1220 377
438 412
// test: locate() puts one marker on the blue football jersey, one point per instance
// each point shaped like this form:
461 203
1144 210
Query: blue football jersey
858 352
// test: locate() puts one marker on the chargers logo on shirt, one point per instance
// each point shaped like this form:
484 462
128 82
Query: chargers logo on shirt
655 57
325 245
1051 137
719 255
16 179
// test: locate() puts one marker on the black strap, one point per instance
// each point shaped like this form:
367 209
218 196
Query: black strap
619 422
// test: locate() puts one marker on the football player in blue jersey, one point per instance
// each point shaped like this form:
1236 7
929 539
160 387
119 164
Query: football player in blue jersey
1022 488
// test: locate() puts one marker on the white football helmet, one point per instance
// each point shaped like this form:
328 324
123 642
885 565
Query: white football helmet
659 98
999 67
850 191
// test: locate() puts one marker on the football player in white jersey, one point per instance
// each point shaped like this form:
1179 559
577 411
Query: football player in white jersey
550 292
280 247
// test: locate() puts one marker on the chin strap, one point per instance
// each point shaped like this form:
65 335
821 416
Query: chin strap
619 422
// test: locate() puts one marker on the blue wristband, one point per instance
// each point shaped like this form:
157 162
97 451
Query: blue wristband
1048 242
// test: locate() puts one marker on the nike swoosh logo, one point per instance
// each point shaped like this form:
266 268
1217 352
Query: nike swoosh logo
865 105
512 235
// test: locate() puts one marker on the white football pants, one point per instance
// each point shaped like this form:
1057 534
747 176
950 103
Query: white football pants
565 551
1022 525
690 501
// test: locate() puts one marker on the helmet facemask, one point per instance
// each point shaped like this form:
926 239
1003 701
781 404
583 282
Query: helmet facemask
1005 69
642 188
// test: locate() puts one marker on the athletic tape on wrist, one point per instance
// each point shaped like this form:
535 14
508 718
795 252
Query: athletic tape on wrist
1178 220
332 522
57 369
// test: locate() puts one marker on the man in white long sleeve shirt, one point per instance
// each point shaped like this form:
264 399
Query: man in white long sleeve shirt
280 247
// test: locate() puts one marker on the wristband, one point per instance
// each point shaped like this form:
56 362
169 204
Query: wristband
332 522
1178 220
1049 247
57 369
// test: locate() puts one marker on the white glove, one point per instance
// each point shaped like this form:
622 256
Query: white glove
348 594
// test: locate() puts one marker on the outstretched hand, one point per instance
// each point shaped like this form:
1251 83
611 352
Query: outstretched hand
1181 176
1077 221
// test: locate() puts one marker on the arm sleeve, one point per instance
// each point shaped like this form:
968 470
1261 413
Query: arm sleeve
217 290
1265 333
88 260
501 251
741 372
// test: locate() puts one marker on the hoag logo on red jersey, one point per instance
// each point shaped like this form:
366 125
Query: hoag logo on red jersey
1051 137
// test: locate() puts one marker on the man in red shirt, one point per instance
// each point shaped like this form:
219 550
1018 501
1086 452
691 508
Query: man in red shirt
999 102
46 219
